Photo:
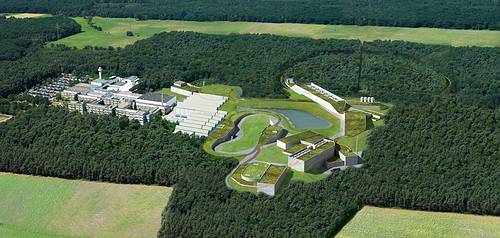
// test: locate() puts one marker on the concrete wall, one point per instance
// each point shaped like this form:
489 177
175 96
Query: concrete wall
324 104
284 145
282 133
296 164
349 160
313 163
181 91
231 133
272 189
266 188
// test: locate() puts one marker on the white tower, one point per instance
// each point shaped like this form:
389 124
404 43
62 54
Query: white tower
100 72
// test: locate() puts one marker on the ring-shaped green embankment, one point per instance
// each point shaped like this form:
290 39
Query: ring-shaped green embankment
254 171
251 127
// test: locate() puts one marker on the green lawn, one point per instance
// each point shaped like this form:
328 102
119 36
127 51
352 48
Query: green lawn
48 207
238 187
355 123
272 154
232 105
388 222
114 32
310 107
255 170
223 90
350 141
167 91
252 127
307 177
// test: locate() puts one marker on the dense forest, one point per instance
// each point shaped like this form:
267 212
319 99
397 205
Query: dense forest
439 148
479 14
18 35
55 142
243 60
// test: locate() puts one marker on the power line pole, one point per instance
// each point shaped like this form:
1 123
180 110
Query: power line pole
57 30
360 67
357 144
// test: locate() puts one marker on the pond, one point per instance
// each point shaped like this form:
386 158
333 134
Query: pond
299 119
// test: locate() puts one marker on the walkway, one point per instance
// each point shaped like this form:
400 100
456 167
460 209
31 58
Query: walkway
324 104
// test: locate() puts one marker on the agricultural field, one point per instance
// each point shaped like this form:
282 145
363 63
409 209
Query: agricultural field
390 222
48 207
25 15
114 32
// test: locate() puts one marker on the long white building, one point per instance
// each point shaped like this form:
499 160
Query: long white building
198 114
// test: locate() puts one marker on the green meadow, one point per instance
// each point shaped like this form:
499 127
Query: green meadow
114 32
251 127
49 207
25 15
389 222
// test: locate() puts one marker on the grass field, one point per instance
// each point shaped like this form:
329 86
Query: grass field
48 207
114 32
255 170
350 141
251 127
272 154
389 222
25 15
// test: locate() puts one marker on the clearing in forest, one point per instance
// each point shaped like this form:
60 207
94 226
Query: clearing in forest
390 222
114 32
26 15
33 206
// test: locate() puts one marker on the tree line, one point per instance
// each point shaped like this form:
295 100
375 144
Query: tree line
482 14
18 35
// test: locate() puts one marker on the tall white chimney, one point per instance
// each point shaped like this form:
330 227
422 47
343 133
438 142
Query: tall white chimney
100 72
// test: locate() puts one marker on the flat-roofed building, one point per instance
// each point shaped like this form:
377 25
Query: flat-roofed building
313 157
76 106
153 101
99 109
138 115
103 82
80 88
198 114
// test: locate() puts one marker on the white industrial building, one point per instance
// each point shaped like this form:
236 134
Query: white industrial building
113 95
198 114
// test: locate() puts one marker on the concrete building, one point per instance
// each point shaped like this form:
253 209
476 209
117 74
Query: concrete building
113 95
78 89
198 114
288 142
123 84
181 91
153 101
180 83
313 157
272 180
76 106
348 156
325 92
307 151
138 115
99 108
